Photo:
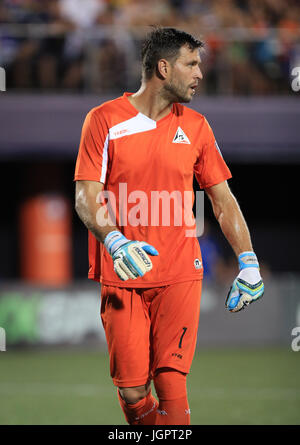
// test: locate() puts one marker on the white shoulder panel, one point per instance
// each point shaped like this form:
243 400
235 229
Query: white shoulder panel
136 124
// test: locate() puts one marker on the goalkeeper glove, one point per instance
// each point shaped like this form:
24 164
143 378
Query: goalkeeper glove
248 286
130 257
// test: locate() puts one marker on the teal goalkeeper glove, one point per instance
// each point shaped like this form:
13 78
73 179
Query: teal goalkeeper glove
130 257
248 286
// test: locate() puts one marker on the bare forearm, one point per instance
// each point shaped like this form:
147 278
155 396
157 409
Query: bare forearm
234 227
88 217
248 285
230 217
92 213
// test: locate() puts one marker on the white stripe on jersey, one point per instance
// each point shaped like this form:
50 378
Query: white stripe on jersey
134 125
104 160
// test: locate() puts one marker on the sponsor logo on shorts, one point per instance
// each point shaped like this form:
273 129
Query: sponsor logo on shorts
176 355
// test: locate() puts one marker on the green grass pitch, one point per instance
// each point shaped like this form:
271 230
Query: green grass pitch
226 386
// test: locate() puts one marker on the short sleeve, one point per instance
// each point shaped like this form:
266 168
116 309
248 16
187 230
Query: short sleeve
210 168
92 159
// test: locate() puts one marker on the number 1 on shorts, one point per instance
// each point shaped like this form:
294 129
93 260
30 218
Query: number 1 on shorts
180 341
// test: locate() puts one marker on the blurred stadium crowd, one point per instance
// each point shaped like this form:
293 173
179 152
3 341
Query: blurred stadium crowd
93 45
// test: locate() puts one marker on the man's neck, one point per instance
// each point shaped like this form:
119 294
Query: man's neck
149 101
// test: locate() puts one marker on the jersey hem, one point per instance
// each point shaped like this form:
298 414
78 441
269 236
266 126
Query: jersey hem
216 182
130 382
86 178
172 365
97 278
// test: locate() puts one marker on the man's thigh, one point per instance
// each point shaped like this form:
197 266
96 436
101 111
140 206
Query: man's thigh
174 315
127 328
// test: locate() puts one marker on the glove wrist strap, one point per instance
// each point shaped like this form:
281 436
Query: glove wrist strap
247 259
114 240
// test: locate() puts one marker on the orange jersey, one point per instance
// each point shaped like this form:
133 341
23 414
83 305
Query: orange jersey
148 166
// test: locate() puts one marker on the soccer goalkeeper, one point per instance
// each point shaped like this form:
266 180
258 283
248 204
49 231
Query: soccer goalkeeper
134 149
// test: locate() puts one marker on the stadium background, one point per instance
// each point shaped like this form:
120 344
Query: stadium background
61 58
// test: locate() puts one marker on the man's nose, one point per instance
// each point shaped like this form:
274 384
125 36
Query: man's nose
199 73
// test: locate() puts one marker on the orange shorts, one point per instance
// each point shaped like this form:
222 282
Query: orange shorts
147 329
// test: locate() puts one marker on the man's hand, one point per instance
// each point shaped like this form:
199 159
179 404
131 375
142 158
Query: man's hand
130 257
248 286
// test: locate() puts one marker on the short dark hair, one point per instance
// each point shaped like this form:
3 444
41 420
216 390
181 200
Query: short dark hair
164 43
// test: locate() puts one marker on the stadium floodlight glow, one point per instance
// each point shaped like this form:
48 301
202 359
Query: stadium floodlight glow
2 79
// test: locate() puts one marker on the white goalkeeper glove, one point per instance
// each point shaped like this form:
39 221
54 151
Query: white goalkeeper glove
248 286
130 257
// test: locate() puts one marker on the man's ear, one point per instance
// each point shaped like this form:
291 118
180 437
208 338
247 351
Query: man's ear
162 68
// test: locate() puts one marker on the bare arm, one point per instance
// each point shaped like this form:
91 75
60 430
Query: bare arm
87 206
248 286
230 217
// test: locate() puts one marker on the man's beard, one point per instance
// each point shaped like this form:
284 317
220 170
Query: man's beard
176 93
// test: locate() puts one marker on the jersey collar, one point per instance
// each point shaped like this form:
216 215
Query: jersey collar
133 109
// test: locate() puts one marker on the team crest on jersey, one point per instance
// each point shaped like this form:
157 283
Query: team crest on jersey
180 137
197 263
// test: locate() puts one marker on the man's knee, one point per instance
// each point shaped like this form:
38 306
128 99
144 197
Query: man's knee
134 394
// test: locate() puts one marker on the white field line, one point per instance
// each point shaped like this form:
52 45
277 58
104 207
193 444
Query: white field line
91 390
55 389
248 393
